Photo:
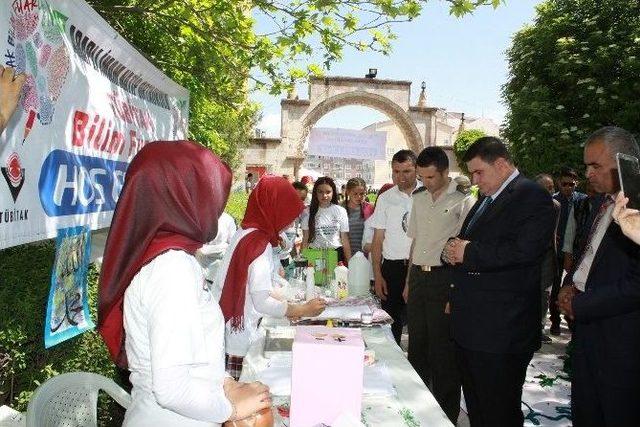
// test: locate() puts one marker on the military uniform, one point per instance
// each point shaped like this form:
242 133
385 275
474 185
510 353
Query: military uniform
431 350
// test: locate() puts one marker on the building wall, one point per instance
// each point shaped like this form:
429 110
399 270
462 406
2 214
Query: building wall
341 169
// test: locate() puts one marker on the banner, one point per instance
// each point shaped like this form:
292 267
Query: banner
347 143
89 104
68 306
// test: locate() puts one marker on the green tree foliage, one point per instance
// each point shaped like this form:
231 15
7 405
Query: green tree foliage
574 70
24 362
220 50
462 143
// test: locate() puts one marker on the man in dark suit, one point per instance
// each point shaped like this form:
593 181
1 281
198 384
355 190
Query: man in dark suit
603 298
495 298
569 200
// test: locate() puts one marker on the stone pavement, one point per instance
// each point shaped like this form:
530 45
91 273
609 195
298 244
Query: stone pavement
546 392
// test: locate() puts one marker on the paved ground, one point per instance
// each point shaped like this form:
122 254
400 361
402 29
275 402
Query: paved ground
545 395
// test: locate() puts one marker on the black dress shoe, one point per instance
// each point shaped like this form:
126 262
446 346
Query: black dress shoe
546 339
554 330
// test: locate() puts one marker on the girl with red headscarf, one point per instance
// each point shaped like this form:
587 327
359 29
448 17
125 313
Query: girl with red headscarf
247 268
155 310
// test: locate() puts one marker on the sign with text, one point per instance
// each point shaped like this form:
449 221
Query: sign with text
347 143
89 104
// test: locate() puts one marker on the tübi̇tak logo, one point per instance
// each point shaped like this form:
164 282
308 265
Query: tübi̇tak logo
13 173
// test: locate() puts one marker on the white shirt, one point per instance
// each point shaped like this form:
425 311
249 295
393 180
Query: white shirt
367 232
392 215
288 237
511 177
329 223
210 254
570 231
259 286
175 346
226 230
367 239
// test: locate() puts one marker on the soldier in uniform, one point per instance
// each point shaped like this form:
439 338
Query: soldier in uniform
436 216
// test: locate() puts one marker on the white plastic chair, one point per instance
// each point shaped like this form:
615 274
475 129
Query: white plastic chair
71 400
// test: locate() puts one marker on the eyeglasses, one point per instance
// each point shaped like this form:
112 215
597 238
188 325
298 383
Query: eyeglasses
568 184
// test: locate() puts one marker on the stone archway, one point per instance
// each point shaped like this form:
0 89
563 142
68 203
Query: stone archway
391 97
366 99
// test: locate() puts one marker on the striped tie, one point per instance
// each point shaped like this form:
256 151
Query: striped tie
608 201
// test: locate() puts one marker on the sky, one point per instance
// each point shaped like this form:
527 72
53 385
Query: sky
462 61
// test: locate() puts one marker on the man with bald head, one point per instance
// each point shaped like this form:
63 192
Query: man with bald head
602 296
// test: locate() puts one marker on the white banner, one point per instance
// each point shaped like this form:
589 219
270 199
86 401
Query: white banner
90 102
347 143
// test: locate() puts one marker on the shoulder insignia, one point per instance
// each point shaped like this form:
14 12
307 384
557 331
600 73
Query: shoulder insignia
419 190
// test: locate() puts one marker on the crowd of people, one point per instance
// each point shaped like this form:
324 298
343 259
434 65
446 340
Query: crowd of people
470 275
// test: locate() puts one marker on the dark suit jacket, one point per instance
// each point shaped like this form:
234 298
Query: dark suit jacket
607 314
495 298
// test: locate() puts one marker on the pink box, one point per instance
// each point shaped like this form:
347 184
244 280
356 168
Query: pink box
326 376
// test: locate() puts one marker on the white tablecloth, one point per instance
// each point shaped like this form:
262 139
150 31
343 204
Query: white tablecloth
413 404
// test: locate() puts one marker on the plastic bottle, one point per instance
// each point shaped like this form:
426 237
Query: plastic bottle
310 282
342 277
359 275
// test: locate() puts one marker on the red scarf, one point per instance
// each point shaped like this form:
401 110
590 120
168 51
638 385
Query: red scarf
273 205
173 194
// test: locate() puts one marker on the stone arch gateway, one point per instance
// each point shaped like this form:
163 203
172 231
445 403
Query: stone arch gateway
366 99
391 97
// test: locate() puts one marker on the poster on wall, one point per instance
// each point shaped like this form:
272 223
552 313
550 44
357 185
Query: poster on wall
89 104
68 305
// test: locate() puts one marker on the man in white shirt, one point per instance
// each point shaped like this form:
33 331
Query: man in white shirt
391 246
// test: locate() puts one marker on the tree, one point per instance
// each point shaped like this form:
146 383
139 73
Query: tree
574 70
220 50
462 143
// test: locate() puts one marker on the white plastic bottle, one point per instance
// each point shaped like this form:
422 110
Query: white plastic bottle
341 273
310 282
359 267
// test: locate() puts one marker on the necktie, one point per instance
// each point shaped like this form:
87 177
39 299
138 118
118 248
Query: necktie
608 201
483 206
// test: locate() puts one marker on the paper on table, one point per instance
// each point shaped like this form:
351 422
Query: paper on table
346 420
278 378
343 312
281 360
376 382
